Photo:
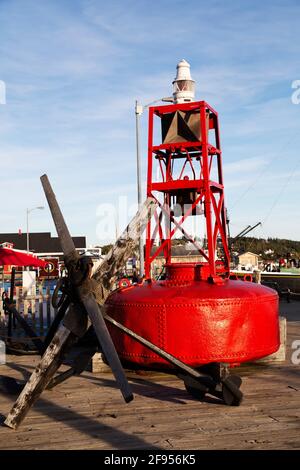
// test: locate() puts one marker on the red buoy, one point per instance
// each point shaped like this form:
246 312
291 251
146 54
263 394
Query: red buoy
197 313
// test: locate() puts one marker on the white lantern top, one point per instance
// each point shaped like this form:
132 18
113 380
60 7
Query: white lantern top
183 85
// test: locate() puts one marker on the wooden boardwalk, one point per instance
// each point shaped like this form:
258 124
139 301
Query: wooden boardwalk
87 412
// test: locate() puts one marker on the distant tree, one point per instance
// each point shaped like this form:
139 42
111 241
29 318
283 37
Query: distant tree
270 248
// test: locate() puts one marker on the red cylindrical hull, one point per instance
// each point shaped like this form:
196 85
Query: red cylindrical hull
196 321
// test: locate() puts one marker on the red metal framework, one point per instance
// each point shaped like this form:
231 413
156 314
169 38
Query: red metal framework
189 174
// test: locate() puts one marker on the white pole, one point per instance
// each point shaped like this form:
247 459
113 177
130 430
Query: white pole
138 112
27 228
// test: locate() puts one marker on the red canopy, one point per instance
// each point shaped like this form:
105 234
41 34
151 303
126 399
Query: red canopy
19 258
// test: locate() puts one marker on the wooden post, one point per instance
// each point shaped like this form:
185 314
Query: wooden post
48 297
18 298
33 298
1 304
2 314
41 309
257 276
11 299
25 311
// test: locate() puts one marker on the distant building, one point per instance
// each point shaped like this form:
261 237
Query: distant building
248 261
41 243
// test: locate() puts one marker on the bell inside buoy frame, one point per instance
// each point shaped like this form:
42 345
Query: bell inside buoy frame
184 199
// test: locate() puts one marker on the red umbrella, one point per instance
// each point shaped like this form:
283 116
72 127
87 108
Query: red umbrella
19 258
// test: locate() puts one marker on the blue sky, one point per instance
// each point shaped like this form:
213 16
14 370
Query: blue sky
73 70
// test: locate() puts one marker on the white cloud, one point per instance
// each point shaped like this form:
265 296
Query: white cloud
244 166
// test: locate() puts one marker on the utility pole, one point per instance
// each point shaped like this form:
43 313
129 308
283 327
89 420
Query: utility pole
27 223
138 112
